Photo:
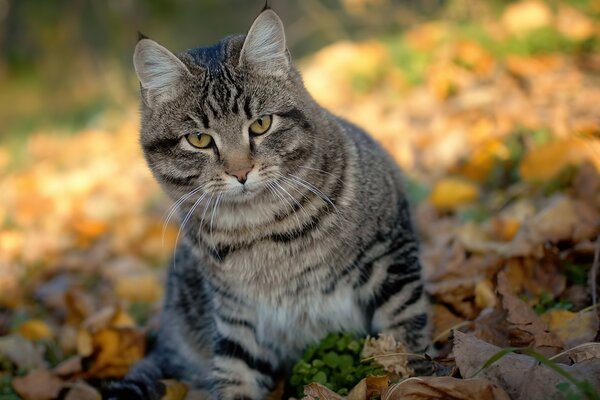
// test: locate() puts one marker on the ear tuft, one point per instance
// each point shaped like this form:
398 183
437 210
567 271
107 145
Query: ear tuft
160 72
264 48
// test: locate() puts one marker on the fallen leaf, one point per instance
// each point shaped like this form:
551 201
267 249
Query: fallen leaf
316 391
39 384
526 329
443 388
21 352
387 352
450 193
572 328
524 16
369 387
114 351
35 329
139 287
544 162
82 391
584 352
521 376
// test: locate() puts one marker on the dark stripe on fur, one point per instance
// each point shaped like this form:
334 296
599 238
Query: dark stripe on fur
228 348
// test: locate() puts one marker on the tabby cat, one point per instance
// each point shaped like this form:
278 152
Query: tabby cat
294 221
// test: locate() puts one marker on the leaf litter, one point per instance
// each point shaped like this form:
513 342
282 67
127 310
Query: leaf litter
498 134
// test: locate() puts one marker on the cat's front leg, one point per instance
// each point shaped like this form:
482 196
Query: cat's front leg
242 367
399 303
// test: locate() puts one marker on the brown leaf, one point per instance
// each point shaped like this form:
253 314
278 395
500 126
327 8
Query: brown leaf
572 328
521 376
114 351
526 329
444 388
39 384
316 391
82 391
69 367
21 352
584 352
369 387
388 353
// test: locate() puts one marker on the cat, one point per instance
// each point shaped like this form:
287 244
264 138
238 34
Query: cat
294 221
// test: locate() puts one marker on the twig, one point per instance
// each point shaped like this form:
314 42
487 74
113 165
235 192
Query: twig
394 354
393 388
562 353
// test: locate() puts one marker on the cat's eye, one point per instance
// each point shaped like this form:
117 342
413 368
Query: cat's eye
199 140
261 125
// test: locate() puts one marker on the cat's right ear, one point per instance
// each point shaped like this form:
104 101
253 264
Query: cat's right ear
160 72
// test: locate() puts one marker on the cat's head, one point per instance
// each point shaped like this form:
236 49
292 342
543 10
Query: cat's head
230 118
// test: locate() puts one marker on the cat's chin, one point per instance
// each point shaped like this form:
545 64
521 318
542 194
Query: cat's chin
242 194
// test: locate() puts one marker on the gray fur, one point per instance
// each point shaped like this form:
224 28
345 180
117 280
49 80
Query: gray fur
318 240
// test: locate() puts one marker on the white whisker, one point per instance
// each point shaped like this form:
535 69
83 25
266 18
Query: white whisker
171 211
182 227
314 189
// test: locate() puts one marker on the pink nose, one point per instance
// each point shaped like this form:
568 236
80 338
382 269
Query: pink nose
240 174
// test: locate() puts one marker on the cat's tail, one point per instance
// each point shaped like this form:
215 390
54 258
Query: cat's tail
141 383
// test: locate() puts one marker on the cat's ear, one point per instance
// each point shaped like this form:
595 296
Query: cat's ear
160 72
264 48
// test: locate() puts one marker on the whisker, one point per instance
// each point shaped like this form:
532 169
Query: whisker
314 189
183 224
276 186
323 172
174 208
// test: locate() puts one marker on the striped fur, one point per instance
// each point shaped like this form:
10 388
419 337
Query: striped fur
318 240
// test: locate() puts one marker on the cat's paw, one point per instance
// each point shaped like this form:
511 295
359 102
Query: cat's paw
134 390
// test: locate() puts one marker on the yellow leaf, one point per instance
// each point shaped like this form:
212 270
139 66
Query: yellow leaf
524 16
484 294
546 161
84 343
449 193
139 287
35 329
573 328
115 350
174 390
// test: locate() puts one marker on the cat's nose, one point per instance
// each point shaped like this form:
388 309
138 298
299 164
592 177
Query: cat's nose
240 174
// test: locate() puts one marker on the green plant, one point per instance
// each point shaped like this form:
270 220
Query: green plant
333 362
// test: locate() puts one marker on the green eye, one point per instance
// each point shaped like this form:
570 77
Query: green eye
261 125
199 140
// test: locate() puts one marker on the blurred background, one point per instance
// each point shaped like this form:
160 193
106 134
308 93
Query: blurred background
490 106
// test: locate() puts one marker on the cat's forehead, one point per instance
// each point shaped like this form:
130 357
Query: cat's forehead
213 58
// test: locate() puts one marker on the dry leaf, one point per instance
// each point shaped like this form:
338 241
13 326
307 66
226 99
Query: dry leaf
114 351
525 16
21 352
450 193
39 384
443 388
521 376
369 387
82 391
388 353
316 391
572 328
526 329
584 352
139 287
35 329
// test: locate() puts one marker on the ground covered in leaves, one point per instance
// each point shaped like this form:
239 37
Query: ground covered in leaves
497 125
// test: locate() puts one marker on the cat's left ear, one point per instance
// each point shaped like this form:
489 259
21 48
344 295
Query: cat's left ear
264 48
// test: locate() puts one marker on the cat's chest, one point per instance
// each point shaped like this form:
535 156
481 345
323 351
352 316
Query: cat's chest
295 323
